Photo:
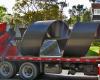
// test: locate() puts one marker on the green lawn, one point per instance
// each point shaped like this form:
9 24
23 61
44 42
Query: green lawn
93 51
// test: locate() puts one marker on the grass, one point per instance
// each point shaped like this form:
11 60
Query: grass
93 51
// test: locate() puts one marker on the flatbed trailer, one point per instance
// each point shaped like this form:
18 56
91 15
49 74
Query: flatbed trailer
28 61
93 59
30 67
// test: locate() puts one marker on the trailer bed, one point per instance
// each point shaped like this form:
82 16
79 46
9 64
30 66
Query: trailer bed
93 59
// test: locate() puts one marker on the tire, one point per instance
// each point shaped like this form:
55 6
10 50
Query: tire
72 72
28 71
7 70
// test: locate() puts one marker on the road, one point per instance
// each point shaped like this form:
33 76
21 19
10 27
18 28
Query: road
62 76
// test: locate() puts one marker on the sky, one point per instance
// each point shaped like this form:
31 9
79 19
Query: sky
86 4
10 3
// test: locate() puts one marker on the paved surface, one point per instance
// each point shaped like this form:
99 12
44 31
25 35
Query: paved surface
62 76
59 77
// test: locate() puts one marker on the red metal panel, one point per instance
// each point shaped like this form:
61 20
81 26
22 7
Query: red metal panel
81 60
2 27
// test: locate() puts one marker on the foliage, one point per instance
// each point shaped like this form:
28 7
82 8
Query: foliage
2 12
92 0
35 10
17 19
79 13
77 10
24 6
7 18
72 20
97 43
93 51
86 16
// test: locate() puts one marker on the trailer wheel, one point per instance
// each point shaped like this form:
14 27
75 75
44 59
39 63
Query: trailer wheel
72 72
7 70
28 71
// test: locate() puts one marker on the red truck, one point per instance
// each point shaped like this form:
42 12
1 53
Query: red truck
25 59
49 46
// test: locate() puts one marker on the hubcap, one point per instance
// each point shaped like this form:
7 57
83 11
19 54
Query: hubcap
5 69
27 71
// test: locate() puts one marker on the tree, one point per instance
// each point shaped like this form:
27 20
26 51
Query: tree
34 10
7 18
2 12
24 6
78 11
18 19
72 20
62 5
86 16
92 0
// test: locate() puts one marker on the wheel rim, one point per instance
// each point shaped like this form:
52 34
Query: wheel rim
5 69
27 71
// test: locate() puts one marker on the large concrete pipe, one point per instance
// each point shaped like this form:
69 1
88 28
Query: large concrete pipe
39 31
80 39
